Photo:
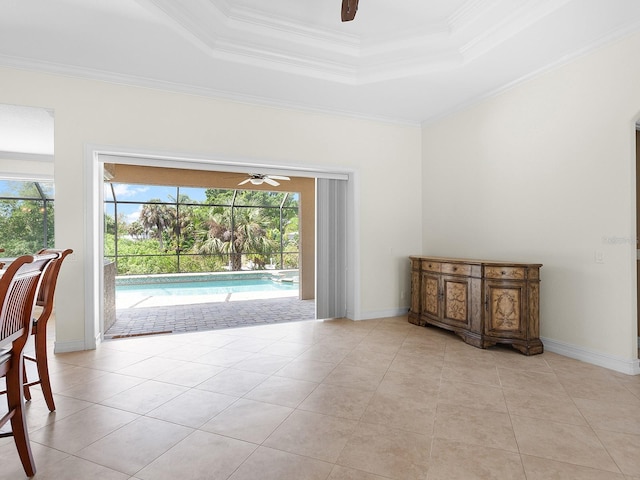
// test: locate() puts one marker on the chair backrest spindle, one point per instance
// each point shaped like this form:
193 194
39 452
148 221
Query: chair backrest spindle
18 289
49 280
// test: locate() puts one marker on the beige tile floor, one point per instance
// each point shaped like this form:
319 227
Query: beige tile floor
329 400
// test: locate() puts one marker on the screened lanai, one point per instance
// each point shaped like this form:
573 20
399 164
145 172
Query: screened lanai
26 217
185 257
172 229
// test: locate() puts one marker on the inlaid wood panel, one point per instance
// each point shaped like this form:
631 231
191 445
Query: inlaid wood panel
431 295
505 309
534 310
415 309
456 301
415 291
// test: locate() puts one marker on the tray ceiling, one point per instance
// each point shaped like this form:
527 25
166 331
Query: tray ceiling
408 61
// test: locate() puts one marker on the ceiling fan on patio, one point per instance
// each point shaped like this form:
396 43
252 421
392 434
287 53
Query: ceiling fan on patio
260 178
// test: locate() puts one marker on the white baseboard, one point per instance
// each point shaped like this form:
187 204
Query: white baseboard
395 312
612 362
65 347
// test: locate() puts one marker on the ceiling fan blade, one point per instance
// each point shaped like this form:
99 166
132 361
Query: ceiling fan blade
245 181
271 181
278 177
349 8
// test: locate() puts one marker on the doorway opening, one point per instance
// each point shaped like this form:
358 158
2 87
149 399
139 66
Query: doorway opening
186 250
97 157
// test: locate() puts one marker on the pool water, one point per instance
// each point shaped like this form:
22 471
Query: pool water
208 288
180 293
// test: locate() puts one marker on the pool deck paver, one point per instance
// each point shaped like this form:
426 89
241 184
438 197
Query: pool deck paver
209 316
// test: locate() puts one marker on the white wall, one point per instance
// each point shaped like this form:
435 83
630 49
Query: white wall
544 172
386 157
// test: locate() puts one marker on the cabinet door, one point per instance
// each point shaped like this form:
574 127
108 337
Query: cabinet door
456 301
506 309
430 295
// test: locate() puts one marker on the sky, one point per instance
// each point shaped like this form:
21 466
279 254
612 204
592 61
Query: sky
124 193
144 193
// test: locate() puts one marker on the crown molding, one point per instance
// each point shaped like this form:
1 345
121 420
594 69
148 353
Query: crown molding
468 14
411 62
256 56
275 26
587 49
154 84
31 157
514 23
221 29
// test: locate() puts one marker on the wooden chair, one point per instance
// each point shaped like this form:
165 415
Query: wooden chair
18 288
39 327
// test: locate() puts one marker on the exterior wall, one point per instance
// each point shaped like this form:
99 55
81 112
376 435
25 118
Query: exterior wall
385 156
545 172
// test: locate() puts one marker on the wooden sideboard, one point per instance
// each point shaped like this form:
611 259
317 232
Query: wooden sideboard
484 302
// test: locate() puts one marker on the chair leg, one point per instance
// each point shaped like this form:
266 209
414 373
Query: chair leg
25 380
15 402
42 364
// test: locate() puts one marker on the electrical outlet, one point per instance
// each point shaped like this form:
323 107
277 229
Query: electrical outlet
599 256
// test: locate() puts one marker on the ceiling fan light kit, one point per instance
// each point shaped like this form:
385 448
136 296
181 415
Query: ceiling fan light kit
260 178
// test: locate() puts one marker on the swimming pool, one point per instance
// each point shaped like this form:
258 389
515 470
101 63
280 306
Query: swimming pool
208 288
166 291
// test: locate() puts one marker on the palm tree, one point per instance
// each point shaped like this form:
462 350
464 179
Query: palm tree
179 221
155 219
136 230
235 232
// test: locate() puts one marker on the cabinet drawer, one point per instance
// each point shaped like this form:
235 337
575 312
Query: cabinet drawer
430 266
456 269
507 273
